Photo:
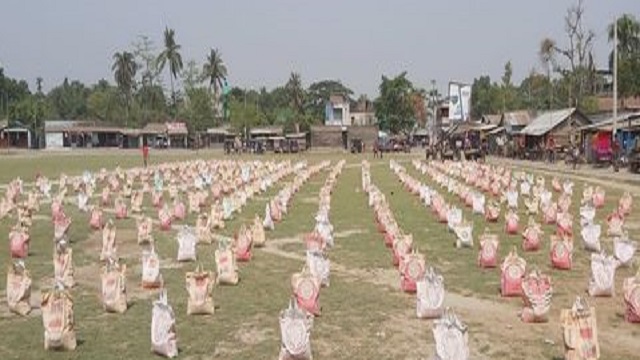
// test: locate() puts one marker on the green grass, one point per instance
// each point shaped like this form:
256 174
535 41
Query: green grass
364 316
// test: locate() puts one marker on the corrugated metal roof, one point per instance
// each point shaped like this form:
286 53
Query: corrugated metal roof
517 118
607 124
547 121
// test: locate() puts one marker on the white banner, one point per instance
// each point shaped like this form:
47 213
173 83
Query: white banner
459 101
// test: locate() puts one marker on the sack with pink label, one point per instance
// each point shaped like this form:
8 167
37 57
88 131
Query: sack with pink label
488 254
561 252
164 215
57 210
58 320
19 242
243 242
411 268
580 331
109 249
199 287
624 204
114 287
550 213
19 289
587 214
564 224
402 246
564 203
631 290
603 272
511 222
532 236
163 333
179 211
96 220
430 295
306 289
120 208
513 270
536 294
295 333
314 241
598 197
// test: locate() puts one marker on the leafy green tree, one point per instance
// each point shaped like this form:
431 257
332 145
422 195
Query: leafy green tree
69 100
215 71
171 55
319 92
104 103
125 68
198 109
486 97
394 106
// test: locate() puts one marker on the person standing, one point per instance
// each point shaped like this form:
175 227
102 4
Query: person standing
145 153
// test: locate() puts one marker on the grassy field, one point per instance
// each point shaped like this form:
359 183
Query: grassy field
364 314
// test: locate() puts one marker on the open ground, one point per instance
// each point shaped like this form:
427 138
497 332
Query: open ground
364 313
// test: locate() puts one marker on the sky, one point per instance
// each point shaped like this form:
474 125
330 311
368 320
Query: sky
263 41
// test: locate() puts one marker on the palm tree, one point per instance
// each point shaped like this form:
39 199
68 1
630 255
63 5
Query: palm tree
125 68
628 35
171 55
295 92
546 53
216 72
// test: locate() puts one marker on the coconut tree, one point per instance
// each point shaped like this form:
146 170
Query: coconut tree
295 92
546 53
170 55
216 72
125 68
628 35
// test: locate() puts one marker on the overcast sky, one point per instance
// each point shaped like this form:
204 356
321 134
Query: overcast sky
262 41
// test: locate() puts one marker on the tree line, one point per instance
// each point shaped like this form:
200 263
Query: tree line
569 77
200 95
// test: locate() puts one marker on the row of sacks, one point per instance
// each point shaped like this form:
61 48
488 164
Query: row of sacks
535 288
578 323
445 213
113 277
449 332
296 321
561 242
